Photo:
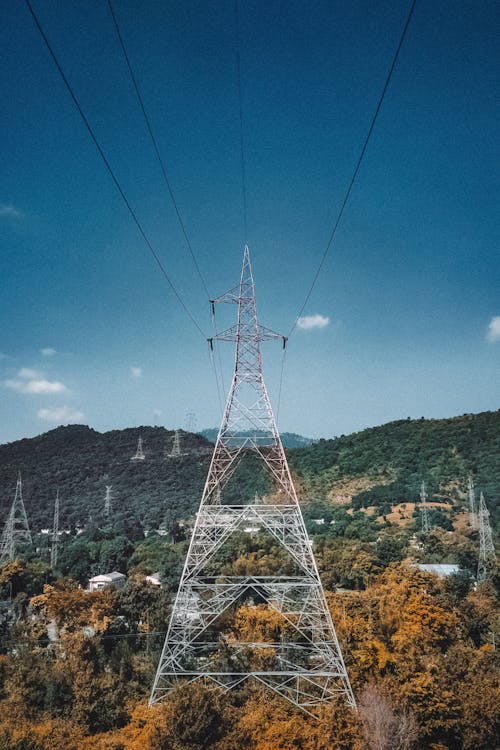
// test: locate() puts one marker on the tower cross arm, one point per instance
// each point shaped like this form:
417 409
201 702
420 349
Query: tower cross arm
236 332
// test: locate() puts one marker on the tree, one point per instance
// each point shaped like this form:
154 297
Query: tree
383 729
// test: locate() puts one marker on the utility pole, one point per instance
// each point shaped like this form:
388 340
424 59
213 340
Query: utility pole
16 532
423 508
139 454
473 521
487 562
305 664
55 534
107 501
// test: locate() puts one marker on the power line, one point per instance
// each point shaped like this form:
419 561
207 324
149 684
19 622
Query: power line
358 165
109 168
155 146
240 108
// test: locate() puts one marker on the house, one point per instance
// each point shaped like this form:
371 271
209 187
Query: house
112 580
154 579
439 569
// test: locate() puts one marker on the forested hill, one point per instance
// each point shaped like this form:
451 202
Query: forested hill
80 462
289 439
380 466
387 464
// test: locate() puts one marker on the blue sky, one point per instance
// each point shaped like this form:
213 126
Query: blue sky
410 290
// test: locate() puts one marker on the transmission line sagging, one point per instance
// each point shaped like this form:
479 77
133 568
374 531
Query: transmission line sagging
155 145
110 170
357 167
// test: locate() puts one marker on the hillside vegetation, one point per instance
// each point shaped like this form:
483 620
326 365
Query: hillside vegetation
377 467
387 464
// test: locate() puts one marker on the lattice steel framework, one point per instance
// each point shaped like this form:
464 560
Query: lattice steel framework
487 562
16 532
139 454
423 509
55 534
176 445
473 520
108 501
305 665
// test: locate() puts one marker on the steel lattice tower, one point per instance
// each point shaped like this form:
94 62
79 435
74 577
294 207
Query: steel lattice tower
305 664
176 445
107 500
487 562
139 454
55 533
16 532
423 508
472 503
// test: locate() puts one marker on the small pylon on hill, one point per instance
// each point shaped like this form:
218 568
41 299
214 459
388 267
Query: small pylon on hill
487 563
423 509
16 533
471 493
107 501
55 534
176 445
139 454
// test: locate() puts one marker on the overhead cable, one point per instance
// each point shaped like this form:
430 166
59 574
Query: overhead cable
358 165
155 146
110 169
240 108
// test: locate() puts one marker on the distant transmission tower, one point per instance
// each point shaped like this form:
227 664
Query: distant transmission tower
304 662
107 501
16 532
176 445
423 509
139 454
473 521
487 562
55 534
190 421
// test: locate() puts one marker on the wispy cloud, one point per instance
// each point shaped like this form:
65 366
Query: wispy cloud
32 381
48 351
61 414
7 209
308 322
136 372
493 333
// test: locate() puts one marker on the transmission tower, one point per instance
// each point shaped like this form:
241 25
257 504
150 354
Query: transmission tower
107 501
190 421
423 508
304 664
176 445
55 534
472 503
487 562
139 454
16 532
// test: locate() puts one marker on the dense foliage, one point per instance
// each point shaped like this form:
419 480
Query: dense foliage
76 667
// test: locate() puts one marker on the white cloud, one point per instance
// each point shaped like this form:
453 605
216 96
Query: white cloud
307 322
136 372
48 351
61 414
7 209
32 381
28 373
494 329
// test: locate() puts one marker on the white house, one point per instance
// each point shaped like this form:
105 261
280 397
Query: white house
442 570
112 580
